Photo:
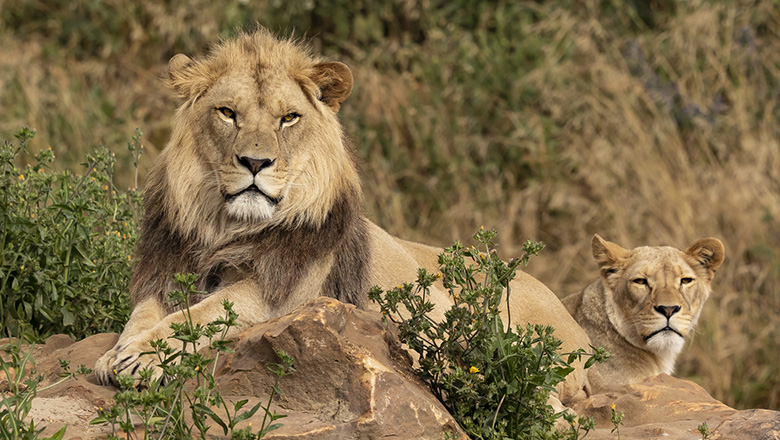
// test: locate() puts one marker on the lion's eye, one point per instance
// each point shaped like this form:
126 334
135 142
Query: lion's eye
289 119
227 112
640 281
686 280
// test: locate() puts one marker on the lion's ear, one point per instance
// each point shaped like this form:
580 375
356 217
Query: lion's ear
709 252
334 80
184 77
608 255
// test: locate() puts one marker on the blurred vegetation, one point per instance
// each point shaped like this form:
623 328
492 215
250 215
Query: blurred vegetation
646 122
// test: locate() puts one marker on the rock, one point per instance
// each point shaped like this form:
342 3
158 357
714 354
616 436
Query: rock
354 381
671 408
353 378
754 424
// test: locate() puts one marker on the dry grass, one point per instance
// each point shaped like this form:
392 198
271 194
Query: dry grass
543 122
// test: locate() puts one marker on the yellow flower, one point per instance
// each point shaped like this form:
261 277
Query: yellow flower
105 187
438 275
482 228
612 406
473 370
22 266
21 176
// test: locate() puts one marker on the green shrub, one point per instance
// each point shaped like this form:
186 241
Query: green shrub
65 245
494 380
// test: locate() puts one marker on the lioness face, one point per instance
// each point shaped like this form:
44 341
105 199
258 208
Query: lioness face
654 295
264 131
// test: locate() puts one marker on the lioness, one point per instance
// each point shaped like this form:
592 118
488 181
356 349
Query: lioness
643 306
257 192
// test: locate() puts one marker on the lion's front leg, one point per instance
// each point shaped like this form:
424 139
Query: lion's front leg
148 323
146 315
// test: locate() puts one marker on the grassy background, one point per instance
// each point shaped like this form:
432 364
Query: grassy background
646 122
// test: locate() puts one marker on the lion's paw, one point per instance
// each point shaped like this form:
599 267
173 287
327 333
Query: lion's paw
126 358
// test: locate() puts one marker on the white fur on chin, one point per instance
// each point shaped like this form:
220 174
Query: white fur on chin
667 345
251 207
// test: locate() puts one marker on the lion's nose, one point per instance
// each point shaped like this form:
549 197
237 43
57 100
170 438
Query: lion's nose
667 311
255 165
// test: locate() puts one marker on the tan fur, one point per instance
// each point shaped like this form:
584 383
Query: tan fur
260 105
637 295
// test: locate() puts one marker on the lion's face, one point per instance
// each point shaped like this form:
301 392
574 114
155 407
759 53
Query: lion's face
654 295
254 140
258 138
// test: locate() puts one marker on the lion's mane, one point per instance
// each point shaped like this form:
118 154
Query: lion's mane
186 229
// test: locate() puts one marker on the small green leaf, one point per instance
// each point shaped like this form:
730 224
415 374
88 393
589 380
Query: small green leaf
247 414
83 254
199 407
67 316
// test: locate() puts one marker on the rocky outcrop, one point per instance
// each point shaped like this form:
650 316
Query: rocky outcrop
354 381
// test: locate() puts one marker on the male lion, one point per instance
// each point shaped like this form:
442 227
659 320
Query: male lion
643 306
257 192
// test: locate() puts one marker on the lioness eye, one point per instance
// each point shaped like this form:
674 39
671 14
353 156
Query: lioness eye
686 280
226 112
289 118
640 281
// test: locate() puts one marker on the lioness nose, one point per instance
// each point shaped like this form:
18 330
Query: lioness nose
255 165
667 311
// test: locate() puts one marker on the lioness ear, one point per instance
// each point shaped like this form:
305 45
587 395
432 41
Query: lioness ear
608 255
709 252
335 82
